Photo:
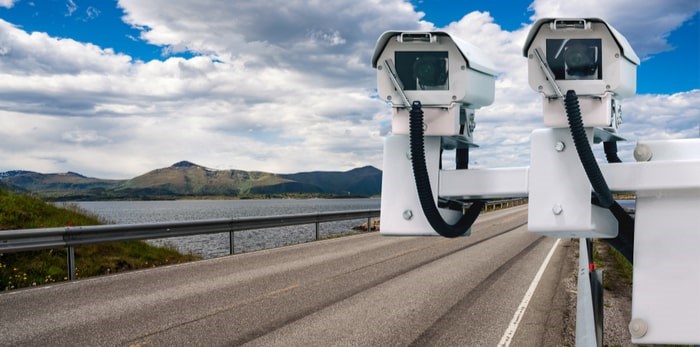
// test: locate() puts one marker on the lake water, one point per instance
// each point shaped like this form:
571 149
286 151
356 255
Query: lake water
213 245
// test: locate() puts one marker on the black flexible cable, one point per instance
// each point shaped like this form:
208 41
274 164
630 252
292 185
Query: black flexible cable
624 242
462 158
585 154
610 148
425 192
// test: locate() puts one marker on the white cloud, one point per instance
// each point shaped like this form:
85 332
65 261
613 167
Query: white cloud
71 7
91 13
253 111
22 53
7 3
278 86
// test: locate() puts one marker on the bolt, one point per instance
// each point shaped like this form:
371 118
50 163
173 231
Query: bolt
407 214
638 327
642 152
557 209
560 146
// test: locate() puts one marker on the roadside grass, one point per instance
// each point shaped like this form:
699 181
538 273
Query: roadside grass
33 268
618 270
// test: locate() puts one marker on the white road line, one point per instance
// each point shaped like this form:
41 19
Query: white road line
520 312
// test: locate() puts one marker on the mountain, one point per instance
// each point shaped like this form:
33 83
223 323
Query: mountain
55 184
187 179
361 181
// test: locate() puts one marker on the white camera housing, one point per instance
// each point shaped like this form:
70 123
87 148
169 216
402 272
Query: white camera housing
450 78
586 55
470 75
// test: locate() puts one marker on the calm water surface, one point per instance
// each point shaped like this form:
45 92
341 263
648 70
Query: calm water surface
213 245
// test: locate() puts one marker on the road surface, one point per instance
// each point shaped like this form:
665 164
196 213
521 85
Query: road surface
363 290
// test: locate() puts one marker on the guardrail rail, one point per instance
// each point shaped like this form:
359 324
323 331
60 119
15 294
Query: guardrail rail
69 237
37 239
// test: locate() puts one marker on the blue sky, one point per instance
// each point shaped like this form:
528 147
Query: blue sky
116 88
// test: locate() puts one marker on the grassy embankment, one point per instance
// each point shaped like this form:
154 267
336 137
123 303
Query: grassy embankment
25 269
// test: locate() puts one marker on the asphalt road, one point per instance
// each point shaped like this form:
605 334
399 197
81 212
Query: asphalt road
363 290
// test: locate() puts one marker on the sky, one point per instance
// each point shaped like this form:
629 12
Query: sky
113 89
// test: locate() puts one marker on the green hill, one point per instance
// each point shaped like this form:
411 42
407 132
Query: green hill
186 179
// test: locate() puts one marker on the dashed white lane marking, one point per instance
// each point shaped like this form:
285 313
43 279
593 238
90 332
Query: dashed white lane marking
520 312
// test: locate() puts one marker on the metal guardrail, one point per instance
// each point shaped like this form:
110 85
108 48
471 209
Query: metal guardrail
69 237
37 239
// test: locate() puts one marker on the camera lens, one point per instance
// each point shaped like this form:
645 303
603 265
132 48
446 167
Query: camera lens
430 71
422 70
580 60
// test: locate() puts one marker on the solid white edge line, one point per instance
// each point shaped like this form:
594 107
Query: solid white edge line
520 311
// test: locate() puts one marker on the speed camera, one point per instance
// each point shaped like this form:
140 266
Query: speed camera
450 77
433 67
585 55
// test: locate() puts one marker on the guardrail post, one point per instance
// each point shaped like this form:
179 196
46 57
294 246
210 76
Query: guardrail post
231 244
318 231
71 262
369 224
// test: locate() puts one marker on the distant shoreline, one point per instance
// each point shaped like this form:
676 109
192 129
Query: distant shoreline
212 197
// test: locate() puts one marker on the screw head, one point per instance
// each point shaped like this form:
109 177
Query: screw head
557 209
642 152
560 146
638 327
407 214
